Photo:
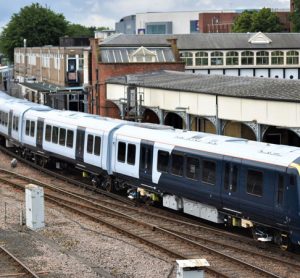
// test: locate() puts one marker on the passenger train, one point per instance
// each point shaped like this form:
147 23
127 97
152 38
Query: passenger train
218 178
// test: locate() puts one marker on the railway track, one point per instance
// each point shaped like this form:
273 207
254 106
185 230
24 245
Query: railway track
11 266
166 234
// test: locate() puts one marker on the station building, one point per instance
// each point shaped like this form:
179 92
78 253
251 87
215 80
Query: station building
274 55
262 109
110 60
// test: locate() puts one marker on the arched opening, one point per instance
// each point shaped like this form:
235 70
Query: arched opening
203 125
240 130
281 136
150 117
172 119
112 110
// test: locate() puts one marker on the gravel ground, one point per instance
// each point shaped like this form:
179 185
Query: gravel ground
71 246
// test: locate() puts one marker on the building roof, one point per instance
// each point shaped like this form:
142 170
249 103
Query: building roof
232 86
207 41
49 88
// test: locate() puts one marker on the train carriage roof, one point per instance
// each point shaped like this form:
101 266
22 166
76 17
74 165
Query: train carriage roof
216 145
77 119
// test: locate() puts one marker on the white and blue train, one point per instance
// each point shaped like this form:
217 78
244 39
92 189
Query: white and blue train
221 179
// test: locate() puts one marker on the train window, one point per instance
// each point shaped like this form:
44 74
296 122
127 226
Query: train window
177 165
70 138
146 158
162 161
226 176
55 135
234 178
27 127
14 123
62 136
6 119
292 180
280 189
0 117
17 123
209 172
192 168
255 182
97 147
32 128
131 154
90 143
48 133
121 151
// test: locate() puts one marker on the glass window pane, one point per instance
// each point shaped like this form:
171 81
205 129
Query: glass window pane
177 165
32 128
70 138
280 189
226 176
27 127
255 182
90 143
62 136
162 161
209 172
192 168
55 135
131 154
121 151
97 146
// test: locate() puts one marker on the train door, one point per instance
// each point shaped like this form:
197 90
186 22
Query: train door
80 144
230 189
146 162
39 135
280 210
10 120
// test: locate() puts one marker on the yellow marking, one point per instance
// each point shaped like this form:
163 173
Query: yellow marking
295 165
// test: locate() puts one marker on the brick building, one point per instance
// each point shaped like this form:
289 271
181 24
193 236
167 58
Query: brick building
54 75
114 60
222 21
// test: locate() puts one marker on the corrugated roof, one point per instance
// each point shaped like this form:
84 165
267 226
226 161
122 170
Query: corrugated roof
245 87
207 41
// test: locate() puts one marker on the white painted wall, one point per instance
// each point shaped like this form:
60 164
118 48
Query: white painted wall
276 113
180 20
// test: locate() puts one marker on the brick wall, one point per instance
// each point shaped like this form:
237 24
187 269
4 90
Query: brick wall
107 70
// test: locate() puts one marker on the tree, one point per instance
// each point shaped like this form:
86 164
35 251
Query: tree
266 21
295 16
242 24
263 20
38 25
77 30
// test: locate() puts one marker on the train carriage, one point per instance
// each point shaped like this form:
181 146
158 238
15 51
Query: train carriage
218 178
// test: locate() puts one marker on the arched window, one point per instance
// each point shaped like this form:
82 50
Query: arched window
187 57
262 58
232 58
201 58
247 58
292 57
277 58
217 58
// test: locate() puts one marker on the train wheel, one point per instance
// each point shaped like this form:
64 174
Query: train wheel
283 241
108 184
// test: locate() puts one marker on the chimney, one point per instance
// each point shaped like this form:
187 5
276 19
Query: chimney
173 42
